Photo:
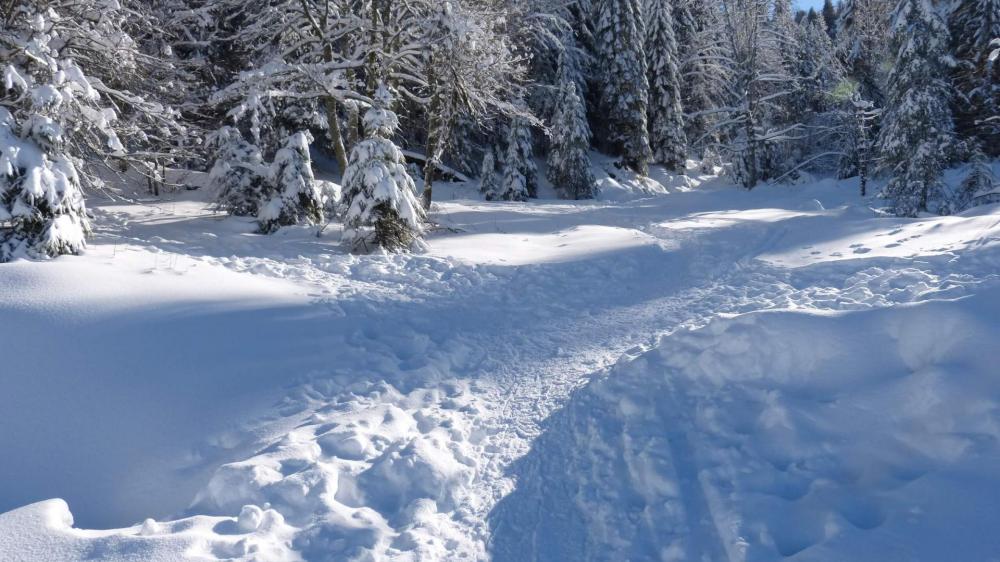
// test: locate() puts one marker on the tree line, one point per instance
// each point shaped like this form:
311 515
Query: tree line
243 89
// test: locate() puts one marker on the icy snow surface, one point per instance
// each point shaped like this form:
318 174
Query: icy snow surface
693 373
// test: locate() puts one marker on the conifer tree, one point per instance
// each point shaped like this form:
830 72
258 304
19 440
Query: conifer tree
830 19
666 120
917 134
40 193
520 178
979 185
238 176
380 196
294 196
568 161
973 24
623 89
489 181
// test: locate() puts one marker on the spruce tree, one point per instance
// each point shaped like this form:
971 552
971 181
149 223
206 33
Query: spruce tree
917 134
973 24
666 120
979 185
489 182
380 196
520 178
239 176
623 90
830 19
40 194
568 161
294 195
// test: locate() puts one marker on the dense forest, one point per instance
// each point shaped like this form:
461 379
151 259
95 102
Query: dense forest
404 93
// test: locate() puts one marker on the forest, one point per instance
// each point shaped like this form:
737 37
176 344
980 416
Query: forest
246 90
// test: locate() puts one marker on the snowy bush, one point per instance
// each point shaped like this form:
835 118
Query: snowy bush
380 196
294 196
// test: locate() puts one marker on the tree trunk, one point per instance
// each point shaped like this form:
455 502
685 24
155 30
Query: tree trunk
336 137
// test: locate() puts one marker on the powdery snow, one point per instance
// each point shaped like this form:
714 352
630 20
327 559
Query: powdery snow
659 377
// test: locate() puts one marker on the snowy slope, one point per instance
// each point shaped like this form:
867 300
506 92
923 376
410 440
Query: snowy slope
378 406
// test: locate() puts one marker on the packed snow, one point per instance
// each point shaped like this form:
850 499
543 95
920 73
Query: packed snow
678 371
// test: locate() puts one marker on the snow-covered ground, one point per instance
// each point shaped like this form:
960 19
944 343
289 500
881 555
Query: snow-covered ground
695 372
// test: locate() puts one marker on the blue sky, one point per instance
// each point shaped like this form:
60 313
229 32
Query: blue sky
806 4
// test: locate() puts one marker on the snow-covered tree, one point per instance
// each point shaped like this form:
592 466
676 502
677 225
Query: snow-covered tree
829 19
66 67
979 186
623 89
520 177
379 194
239 177
862 30
294 196
666 120
704 69
973 25
568 160
756 119
41 199
917 136
489 180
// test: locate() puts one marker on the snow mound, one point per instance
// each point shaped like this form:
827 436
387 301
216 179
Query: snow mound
836 436
44 531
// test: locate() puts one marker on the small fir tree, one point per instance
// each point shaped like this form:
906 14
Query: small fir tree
40 195
978 187
239 176
380 196
489 181
568 160
520 174
294 197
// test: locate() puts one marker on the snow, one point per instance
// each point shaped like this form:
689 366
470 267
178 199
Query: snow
677 373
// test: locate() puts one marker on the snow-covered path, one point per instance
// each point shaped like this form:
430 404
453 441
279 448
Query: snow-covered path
409 386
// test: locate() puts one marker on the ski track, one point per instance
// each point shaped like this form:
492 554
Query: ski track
436 376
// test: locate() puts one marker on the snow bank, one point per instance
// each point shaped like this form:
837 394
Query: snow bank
837 436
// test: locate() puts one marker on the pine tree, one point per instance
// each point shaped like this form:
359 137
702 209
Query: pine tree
489 182
973 24
623 89
40 193
917 134
830 19
380 196
69 68
666 120
294 197
239 176
568 161
978 187
520 178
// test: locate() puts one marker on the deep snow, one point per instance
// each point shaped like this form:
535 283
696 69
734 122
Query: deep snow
550 380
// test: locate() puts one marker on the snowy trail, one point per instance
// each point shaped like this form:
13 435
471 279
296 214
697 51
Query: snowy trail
420 380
